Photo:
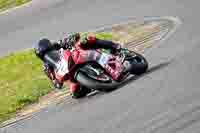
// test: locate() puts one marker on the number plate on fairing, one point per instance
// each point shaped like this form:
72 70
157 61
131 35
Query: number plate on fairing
62 67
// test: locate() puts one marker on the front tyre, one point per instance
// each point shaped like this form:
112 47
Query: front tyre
139 64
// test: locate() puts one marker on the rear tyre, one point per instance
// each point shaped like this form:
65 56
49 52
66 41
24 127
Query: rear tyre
86 76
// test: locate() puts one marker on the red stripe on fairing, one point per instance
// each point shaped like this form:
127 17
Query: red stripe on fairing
81 56
67 54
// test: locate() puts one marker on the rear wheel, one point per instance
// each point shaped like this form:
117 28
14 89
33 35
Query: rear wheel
95 78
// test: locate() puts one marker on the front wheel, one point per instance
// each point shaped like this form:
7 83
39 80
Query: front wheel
138 64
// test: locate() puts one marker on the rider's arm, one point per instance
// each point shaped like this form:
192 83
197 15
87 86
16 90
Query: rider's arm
92 42
106 44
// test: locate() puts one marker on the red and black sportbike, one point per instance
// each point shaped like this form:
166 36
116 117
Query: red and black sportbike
96 69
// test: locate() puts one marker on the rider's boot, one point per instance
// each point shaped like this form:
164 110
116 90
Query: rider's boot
78 91
57 84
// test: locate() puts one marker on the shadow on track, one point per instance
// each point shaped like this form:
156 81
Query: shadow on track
151 70
133 78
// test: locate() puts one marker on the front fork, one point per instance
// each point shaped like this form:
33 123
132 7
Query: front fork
122 67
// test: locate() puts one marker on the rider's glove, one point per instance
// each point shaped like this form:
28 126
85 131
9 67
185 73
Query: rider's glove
116 49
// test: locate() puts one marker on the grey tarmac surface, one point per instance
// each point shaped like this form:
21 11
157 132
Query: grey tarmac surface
165 100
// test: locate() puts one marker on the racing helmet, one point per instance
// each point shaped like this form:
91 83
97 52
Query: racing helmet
41 47
71 39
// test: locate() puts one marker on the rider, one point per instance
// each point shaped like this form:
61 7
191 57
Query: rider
75 40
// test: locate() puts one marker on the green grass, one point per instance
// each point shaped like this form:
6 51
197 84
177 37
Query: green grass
101 35
6 4
22 80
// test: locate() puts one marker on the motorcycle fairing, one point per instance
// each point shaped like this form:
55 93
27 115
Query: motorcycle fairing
62 67
107 61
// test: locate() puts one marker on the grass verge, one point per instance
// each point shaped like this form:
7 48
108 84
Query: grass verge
7 4
22 80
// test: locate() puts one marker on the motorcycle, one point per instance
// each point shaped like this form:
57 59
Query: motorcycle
96 69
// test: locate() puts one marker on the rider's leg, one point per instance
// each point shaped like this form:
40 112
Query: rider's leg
49 71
